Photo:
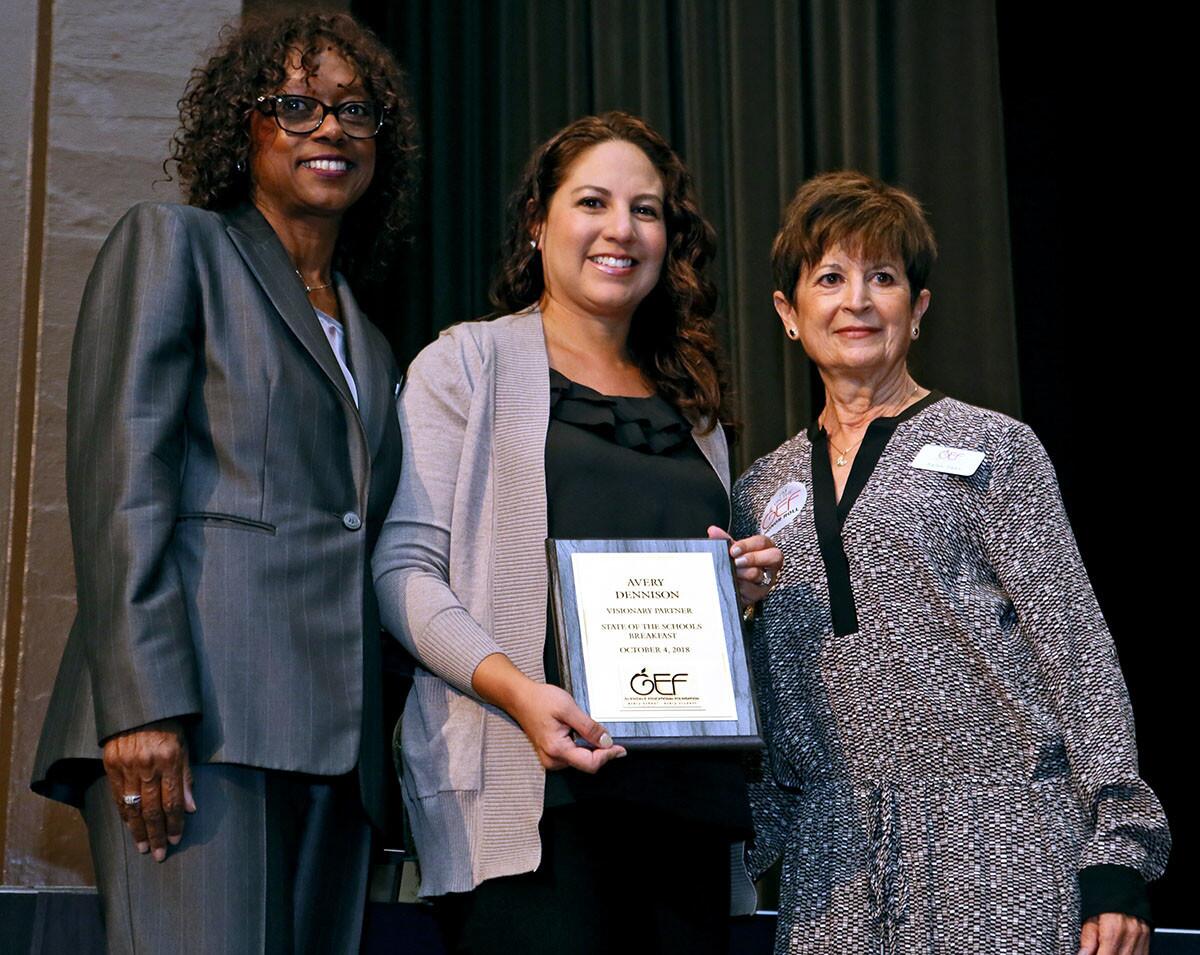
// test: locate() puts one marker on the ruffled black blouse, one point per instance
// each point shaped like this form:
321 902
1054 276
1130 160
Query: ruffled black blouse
628 467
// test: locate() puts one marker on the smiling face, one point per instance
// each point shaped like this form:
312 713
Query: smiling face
854 316
604 237
317 174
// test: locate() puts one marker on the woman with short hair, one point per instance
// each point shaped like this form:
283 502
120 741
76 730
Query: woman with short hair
951 756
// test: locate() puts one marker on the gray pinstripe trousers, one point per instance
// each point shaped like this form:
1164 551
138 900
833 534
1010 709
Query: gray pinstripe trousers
271 862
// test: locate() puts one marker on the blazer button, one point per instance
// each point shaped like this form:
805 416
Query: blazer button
352 521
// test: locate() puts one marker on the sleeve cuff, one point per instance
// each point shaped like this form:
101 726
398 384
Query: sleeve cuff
1113 888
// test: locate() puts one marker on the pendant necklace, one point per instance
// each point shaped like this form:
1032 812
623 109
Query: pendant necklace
841 461
841 458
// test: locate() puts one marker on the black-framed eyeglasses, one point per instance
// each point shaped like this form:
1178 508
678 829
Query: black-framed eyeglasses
359 119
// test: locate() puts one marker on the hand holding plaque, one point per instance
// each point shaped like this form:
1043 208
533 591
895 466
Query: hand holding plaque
549 717
757 562
650 641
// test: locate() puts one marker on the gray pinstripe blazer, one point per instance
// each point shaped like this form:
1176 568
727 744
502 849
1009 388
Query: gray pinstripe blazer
225 495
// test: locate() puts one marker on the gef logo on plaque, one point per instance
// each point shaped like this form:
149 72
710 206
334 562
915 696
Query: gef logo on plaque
650 641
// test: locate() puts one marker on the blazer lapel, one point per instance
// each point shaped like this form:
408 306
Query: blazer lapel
371 374
265 256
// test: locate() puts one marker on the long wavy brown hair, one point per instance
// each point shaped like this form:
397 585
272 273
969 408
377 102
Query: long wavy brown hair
211 149
672 337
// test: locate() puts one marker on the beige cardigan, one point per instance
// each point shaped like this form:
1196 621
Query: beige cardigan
460 571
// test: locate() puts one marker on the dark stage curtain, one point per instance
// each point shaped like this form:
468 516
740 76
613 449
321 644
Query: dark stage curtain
756 96
1103 382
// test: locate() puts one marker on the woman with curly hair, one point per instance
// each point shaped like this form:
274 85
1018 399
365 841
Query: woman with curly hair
590 408
232 451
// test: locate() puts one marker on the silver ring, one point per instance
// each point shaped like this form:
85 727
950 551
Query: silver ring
765 579
131 799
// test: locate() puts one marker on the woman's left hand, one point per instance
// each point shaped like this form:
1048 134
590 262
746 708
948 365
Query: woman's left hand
758 562
1114 934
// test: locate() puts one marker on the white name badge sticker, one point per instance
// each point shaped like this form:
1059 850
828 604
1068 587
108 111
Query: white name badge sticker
938 457
783 508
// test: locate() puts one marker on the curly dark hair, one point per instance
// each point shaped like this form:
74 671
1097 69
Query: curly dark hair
211 148
672 337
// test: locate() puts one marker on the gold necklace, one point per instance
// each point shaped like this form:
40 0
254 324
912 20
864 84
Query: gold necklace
841 458
309 289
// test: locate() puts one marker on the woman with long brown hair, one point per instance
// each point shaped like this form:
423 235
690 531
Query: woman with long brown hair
590 408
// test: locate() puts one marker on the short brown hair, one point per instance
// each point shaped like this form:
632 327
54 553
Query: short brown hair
851 209
672 336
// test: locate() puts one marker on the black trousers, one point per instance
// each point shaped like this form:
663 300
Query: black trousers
613 880
270 862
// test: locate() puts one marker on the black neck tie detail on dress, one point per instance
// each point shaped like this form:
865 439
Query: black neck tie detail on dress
829 514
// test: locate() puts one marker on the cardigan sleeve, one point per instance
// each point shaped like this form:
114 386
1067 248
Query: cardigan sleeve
1030 545
411 563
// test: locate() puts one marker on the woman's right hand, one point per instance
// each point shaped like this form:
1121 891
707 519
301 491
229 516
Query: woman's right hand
1114 934
151 763
548 715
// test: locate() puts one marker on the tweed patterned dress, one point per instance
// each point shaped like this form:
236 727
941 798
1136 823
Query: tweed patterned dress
950 738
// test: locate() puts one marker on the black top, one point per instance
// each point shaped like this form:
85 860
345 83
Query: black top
628 467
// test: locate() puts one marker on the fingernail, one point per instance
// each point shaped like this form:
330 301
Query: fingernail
622 754
143 847
742 562
160 854
605 741
735 551
174 840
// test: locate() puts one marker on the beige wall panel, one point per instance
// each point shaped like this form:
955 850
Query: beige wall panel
18 44
18 52
278 7
118 70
